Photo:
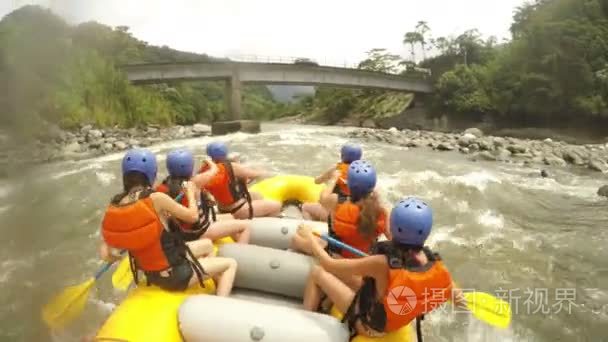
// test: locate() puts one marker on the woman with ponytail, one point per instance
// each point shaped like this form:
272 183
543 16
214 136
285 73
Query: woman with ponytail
180 164
136 221
360 219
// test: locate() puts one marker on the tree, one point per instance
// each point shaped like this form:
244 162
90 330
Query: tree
379 60
412 38
422 28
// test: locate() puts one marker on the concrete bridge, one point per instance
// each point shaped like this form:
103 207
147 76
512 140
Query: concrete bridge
237 73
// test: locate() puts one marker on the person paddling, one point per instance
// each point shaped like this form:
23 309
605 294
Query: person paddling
348 154
135 221
180 165
229 187
399 282
360 219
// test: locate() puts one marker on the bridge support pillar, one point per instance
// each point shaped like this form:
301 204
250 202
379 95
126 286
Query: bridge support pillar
233 96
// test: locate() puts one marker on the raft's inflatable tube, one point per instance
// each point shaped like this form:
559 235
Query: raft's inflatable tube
266 298
274 232
285 188
224 319
269 270
148 314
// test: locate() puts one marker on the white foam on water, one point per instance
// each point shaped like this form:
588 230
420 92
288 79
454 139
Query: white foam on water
105 307
476 179
480 331
105 178
8 267
88 166
445 233
491 219
462 207
579 186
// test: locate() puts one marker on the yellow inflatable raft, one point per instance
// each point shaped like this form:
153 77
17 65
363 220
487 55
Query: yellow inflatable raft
151 314
285 188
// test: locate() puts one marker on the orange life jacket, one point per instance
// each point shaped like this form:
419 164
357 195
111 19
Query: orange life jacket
344 225
191 231
430 288
224 187
341 185
412 291
137 228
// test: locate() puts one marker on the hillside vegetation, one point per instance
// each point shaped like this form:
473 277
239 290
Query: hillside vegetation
68 75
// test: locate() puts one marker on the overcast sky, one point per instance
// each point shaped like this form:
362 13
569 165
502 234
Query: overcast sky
332 30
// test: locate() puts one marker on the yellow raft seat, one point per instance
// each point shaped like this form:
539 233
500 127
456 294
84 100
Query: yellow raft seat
404 334
149 313
286 188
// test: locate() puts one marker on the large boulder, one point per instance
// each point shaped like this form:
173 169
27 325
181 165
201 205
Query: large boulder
603 191
200 129
466 139
474 131
94 134
573 157
445 147
502 154
553 160
597 165
120 145
517 148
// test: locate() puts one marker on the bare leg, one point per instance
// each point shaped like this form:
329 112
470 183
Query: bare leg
239 230
222 270
261 208
314 211
320 280
256 196
201 248
224 217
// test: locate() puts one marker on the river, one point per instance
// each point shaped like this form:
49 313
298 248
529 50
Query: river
499 227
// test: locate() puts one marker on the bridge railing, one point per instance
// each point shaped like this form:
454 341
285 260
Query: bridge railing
290 60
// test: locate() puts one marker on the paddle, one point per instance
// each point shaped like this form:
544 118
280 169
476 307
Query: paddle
67 305
484 306
122 277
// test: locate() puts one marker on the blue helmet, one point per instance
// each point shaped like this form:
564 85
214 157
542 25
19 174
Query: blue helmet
180 163
140 160
361 179
411 221
217 150
350 153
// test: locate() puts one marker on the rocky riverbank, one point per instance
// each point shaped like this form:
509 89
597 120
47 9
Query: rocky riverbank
57 144
477 146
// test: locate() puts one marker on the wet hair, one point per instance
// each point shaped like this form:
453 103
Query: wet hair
368 215
132 182
175 185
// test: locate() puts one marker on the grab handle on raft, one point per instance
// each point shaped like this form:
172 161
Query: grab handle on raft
484 306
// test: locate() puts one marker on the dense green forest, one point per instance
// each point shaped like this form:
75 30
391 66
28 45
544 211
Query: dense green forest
553 72
68 75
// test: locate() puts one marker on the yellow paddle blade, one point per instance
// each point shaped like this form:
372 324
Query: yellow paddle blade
122 277
64 307
489 309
